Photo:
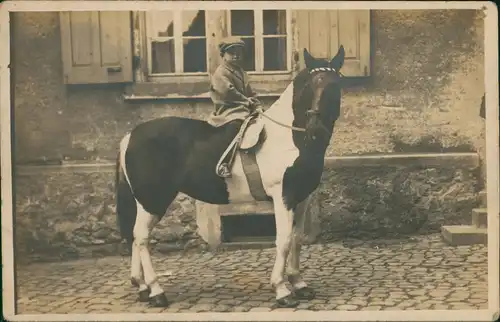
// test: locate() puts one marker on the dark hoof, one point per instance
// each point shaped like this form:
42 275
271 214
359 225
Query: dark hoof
305 293
159 300
287 302
134 282
144 295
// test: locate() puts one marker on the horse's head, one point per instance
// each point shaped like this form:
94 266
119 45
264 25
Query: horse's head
317 95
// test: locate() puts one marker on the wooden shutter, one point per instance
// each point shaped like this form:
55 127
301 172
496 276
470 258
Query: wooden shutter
96 47
323 31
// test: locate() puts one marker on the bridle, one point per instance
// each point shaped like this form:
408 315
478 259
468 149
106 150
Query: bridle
310 111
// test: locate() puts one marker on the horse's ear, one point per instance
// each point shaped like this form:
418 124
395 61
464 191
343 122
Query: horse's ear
309 59
338 61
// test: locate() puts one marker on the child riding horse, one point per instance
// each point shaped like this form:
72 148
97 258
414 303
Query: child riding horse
231 93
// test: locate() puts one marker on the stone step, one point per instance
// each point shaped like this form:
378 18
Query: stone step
464 235
483 198
480 217
244 245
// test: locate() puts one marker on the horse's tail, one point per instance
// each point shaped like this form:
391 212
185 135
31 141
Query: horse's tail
126 208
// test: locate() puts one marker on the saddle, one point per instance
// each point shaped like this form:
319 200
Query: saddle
250 136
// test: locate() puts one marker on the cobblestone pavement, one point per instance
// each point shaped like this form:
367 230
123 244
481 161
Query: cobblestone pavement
420 273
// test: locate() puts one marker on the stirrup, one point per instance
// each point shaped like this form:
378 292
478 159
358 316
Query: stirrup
224 171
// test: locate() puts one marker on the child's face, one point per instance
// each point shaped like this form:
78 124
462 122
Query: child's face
234 55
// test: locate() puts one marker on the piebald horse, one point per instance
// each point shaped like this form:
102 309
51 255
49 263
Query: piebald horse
162 157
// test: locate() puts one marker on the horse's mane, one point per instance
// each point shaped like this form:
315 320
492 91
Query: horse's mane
301 87
301 79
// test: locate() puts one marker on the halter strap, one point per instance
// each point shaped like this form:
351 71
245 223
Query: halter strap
325 69
322 69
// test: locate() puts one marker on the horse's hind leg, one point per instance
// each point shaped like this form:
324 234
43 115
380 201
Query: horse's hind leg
137 275
144 224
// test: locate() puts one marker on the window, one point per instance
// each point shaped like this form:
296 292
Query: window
171 53
265 35
177 42
184 43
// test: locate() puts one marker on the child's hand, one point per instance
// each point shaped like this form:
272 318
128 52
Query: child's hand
254 101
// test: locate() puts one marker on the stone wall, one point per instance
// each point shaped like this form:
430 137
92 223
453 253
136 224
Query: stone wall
72 214
371 202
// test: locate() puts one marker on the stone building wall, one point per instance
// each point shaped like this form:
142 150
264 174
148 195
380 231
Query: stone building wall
424 93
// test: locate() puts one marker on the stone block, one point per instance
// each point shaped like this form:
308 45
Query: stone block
208 218
209 223
464 235
480 217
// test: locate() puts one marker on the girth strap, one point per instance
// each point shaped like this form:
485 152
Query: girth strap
249 163
252 173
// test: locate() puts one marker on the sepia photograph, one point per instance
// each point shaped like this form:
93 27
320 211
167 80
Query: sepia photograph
249 160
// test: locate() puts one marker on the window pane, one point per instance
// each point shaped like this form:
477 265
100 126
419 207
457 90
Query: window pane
275 54
274 22
195 55
193 23
163 56
161 23
242 23
249 56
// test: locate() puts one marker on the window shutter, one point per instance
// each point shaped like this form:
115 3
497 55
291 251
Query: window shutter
322 32
96 47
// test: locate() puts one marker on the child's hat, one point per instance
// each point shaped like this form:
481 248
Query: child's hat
230 42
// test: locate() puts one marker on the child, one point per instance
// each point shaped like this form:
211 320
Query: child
229 84
230 91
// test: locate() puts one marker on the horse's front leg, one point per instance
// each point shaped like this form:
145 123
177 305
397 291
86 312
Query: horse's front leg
284 226
300 289
142 229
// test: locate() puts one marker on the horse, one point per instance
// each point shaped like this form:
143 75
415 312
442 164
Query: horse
165 156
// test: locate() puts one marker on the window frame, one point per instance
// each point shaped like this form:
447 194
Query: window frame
178 46
143 56
259 42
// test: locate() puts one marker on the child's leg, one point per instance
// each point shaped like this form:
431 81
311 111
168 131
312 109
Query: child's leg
232 129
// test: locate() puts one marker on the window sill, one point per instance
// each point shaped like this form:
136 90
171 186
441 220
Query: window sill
194 91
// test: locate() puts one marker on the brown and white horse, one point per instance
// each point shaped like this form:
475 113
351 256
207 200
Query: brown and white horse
165 156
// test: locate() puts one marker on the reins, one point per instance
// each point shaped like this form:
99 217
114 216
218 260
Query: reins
300 129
